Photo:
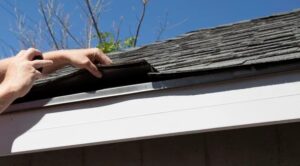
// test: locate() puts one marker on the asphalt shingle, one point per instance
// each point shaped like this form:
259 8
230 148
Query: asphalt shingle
263 40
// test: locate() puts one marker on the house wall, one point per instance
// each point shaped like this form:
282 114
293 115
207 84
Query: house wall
237 103
277 145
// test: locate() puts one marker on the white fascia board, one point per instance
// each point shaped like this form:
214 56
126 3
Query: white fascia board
255 101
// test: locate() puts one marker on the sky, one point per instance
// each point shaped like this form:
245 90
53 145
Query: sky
182 16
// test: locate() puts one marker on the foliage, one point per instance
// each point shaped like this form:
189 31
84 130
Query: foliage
111 44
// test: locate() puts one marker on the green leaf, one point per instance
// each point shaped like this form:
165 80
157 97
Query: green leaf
129 42
109 43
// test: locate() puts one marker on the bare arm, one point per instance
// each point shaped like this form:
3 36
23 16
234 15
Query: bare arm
7 96
3 67
17 74
81 58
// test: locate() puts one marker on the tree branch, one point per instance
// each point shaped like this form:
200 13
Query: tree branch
95 24
48 25
163 25
63 24
117 29
145 2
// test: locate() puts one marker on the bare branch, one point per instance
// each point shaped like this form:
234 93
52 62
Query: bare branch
95 24
145 2
117 29
64 35
163 26
46 19
25 33
100 7
83 8
94 10
178 23
89 34
20 12
64 24
86 38
25 37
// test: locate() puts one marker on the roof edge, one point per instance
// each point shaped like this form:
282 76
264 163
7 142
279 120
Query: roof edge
172 80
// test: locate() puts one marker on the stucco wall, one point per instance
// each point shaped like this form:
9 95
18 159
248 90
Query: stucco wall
266 146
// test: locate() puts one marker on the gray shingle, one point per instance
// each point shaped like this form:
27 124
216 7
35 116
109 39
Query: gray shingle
269 39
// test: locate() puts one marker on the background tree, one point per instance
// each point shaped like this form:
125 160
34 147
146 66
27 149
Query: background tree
55 27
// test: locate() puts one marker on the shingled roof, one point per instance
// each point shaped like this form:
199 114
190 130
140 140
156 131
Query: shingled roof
261 40
271 39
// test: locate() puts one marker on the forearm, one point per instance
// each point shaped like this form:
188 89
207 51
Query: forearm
3 67
58 58
20 76
7 96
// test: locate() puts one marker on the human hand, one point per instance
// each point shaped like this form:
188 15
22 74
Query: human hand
22 72
86 59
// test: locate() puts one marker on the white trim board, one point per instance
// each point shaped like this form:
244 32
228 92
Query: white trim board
268 99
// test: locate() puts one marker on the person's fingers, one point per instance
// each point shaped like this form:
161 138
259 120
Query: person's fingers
37 75
41 63
93 69
21 53
102 58
31 53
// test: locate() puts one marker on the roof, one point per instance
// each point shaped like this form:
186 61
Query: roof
273 38
260 41
207 80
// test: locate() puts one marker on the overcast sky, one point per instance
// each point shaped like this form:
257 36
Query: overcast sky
183 15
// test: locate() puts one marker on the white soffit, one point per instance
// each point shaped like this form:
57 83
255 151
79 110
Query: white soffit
268 99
